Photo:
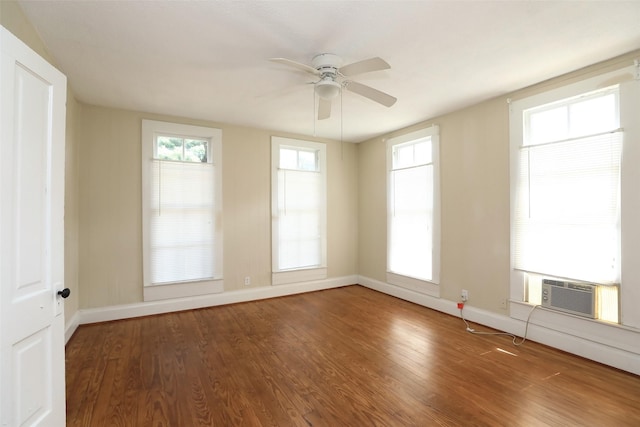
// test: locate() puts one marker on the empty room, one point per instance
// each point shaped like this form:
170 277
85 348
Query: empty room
319 213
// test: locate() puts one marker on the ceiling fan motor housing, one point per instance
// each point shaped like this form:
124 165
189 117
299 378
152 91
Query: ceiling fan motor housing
326 60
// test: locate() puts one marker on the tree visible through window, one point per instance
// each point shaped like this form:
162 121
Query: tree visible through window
182 149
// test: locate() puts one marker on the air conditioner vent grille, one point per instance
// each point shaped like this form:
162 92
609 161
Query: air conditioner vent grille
570 297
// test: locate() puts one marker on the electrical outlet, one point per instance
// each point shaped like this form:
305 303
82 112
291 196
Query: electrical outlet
464 295
247 280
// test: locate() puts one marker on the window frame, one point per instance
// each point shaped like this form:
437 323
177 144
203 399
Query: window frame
629 106
151 129
429 287
301 274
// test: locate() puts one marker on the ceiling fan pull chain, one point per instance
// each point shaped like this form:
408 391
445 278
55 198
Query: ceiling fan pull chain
341 130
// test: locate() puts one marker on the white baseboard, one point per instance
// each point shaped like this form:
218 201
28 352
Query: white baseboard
622 356
71 326
125 311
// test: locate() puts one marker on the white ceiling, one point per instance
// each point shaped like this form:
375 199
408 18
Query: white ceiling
209 59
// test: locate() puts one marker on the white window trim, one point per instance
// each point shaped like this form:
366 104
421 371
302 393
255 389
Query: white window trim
630 199
428 287
153 292
280 277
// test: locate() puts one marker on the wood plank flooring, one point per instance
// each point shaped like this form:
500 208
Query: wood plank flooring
342 357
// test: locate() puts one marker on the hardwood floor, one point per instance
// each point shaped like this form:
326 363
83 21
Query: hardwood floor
342 357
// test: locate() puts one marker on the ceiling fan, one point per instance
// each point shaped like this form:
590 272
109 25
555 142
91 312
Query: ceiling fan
328 67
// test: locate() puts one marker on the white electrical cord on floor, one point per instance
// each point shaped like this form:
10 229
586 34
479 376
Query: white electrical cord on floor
515 338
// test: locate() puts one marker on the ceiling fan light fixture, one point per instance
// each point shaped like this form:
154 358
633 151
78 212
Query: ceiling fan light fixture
327 88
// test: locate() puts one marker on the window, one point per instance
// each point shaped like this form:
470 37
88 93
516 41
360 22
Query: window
299 210
567 216
569 202
182 234
413 211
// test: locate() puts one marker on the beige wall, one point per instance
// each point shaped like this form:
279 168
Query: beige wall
12 18
110 205
103 247
474 154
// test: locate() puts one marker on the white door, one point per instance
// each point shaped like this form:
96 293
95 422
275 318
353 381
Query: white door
32 133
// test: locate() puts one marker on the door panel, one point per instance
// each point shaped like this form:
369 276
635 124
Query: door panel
31 364
34 97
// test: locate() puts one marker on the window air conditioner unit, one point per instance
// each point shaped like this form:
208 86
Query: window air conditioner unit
570 297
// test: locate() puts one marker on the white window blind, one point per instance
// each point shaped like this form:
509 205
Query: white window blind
182 222
411 222
567 212
300 242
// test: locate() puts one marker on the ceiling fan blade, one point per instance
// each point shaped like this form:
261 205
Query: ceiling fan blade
324 108
371 93
295 64
368 65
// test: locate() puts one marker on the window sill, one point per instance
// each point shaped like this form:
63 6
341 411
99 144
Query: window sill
417 285
183 289
295 276
612 334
